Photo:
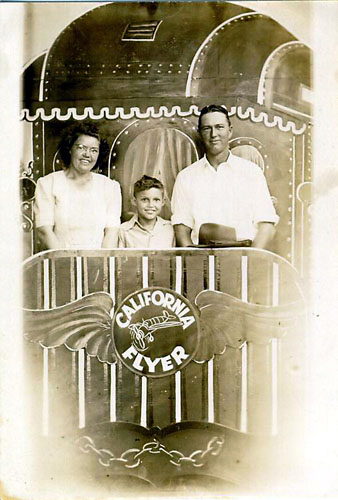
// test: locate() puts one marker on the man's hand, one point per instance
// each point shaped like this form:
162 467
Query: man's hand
265 234
182 235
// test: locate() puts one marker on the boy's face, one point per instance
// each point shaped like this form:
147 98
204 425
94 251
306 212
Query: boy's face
149 203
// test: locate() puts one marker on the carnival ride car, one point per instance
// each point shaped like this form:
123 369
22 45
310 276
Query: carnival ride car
221 411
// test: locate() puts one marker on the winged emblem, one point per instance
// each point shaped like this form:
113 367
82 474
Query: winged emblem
224 321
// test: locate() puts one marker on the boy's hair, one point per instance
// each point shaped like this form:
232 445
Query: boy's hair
146 182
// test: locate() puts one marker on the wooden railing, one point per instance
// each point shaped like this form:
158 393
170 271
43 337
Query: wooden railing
240 389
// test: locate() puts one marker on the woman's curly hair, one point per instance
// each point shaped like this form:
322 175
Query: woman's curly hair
72 133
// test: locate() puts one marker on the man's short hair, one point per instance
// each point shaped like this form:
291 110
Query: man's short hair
212 108
146 182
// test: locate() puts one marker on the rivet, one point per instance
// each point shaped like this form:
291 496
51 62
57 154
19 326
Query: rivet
289 254
114 168
289 209
118 142
267 167
171 65
126 132
160 65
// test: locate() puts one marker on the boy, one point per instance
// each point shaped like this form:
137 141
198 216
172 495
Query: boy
147 229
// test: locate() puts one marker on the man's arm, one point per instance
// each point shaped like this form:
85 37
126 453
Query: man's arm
265 234
183 235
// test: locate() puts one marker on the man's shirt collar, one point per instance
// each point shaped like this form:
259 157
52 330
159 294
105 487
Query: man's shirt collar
228 162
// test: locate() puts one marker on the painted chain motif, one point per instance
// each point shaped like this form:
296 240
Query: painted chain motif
132 458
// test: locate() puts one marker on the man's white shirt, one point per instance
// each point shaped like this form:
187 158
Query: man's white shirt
235 195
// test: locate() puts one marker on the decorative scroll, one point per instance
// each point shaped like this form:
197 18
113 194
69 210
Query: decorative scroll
133 457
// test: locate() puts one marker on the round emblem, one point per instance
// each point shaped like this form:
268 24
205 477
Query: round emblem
155 332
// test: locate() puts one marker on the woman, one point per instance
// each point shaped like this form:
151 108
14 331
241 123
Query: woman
75 207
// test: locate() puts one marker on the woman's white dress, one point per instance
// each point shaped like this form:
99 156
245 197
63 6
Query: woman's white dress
79 214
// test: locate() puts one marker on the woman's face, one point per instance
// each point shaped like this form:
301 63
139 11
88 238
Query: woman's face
84 154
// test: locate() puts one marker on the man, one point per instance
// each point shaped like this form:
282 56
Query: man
221 188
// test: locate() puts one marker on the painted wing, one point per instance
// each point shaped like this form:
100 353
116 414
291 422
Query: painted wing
228 321
83 323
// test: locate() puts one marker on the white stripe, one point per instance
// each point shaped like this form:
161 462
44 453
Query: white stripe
211 283
211 413
274 385
45 394
293 214
81 386
244 266
178 276
143 421
43 149
178 401
112 278
244 388
113 392
302 212
78 277
46 284
145 282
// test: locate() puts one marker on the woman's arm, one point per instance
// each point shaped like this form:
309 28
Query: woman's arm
110 237
47 238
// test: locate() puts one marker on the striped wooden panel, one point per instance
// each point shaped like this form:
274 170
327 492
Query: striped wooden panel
238 389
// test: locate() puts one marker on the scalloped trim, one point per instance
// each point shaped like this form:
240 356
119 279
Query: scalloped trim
163 111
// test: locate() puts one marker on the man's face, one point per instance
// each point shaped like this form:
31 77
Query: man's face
215 132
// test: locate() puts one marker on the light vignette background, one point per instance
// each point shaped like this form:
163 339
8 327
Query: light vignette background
314 23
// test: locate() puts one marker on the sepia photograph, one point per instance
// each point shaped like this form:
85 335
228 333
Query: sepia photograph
169 263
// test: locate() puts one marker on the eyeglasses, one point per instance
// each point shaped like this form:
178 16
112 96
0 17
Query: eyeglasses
82 148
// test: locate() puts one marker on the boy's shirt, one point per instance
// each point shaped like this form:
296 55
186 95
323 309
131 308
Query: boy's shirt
133 235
